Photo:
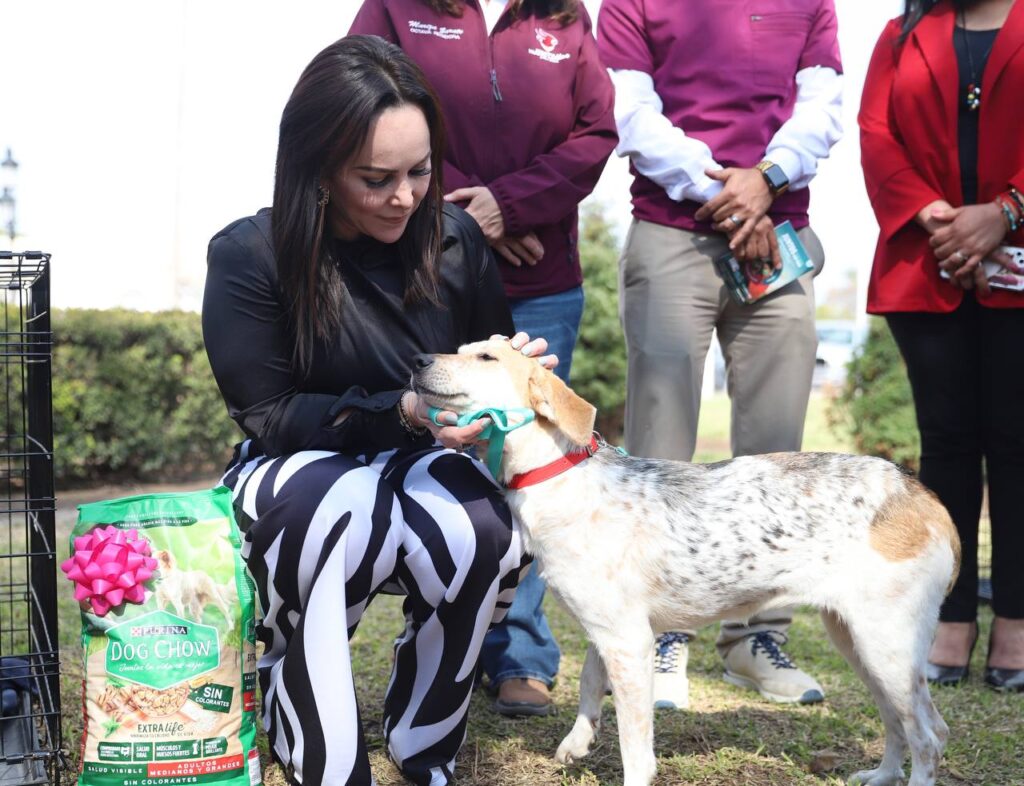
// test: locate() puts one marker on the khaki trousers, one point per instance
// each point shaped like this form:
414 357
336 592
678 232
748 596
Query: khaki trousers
671 300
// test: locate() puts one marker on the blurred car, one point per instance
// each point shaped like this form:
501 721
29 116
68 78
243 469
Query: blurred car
838 339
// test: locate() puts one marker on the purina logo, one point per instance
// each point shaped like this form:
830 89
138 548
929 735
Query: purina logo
139 631
548 43
545 39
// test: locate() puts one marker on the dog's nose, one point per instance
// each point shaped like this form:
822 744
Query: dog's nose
423 361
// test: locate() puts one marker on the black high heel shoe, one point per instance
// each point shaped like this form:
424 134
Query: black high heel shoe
1003 680
952 676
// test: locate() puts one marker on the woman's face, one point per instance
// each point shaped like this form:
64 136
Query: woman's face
377 190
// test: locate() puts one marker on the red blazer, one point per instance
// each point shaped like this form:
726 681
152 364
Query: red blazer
908 122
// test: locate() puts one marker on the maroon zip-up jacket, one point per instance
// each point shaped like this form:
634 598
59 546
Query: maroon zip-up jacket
529 114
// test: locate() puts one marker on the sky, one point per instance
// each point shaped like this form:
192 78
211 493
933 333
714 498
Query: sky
143 128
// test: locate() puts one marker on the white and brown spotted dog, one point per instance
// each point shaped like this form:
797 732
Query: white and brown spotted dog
638 546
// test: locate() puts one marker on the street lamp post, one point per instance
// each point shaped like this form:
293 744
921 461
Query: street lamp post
8 201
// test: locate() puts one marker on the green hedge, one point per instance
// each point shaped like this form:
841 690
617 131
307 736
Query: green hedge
134 398
875 404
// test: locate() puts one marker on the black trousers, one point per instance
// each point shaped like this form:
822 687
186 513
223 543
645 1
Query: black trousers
966 372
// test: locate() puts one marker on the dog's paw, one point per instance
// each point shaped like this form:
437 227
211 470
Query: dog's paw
876 777
574 747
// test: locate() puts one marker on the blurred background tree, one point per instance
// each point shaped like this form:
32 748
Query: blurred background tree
875 405
599 362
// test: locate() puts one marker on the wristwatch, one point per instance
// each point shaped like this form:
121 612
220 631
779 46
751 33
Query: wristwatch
776 179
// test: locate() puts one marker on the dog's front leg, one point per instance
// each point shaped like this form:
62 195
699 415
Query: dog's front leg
629 661
593 680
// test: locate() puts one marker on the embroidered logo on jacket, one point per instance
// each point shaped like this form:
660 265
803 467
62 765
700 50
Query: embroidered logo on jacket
548 43
425 28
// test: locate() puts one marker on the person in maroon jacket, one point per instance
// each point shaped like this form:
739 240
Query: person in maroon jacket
529 112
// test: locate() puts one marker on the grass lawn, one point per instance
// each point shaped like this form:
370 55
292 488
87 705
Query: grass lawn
728 738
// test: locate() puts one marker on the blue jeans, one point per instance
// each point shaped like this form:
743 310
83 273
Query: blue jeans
522 645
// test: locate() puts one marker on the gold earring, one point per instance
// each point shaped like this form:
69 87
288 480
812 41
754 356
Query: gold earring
323 196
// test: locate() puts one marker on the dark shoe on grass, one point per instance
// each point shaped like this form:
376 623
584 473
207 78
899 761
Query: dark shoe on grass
522 697
1005 680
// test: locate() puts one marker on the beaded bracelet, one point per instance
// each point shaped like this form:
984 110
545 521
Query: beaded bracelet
1018 197
405 423
1008 206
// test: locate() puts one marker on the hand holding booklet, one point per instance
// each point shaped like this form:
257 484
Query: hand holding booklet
1000 277
752 279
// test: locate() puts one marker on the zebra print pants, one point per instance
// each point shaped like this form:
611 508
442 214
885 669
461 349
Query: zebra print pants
323 533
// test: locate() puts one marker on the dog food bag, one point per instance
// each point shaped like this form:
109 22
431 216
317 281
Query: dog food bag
168 642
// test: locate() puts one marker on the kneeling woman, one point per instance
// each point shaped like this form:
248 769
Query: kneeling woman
313 312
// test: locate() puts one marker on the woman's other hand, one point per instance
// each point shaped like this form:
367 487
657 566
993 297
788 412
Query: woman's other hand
517 250
450 435
971 234
482 205
532 348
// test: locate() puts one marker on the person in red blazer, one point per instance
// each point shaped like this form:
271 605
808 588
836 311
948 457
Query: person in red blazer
942 139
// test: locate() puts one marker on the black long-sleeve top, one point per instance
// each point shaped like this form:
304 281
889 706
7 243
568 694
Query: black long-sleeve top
972 49
366 367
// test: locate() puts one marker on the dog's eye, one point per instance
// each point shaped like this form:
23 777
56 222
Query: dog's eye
485 356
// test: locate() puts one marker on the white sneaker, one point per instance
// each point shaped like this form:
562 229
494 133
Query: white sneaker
757 662
671 687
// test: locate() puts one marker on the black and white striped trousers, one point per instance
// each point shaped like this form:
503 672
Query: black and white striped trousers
323 533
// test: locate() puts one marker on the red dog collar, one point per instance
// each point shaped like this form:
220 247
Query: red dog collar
555 468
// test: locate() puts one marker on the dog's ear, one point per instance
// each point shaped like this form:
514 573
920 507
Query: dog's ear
552 400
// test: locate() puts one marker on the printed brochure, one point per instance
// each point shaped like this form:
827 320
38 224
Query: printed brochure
751 280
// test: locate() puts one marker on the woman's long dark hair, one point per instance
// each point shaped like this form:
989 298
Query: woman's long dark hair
561 11
325 122
914 11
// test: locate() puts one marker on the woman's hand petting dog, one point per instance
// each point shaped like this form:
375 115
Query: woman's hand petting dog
452 435
532 349
457 437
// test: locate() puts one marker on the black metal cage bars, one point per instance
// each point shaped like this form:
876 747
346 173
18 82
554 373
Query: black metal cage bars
30 726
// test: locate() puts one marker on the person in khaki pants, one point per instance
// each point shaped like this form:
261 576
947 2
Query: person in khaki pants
724 112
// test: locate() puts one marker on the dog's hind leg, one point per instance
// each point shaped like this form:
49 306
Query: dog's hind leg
628 657
890 770
593 679
892 646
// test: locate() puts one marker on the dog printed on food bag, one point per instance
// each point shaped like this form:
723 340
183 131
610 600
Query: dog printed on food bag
637 546
190 590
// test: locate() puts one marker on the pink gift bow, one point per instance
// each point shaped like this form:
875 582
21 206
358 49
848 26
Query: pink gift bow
109 567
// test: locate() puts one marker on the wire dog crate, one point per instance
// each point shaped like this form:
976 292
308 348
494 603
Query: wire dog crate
30 727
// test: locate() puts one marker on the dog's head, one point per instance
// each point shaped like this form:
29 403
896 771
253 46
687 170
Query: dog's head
493 374
165 561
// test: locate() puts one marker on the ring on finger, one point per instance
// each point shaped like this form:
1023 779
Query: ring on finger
736 220
960 256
